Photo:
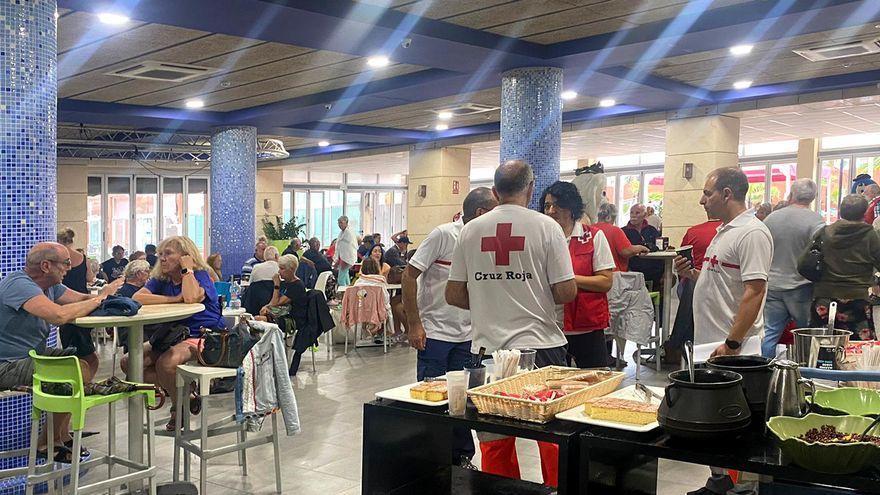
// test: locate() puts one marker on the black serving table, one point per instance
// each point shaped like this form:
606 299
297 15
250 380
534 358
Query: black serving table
752 452
408 449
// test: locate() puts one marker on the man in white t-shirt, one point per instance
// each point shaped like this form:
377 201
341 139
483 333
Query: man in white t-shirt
346 251
511 267
732 284
441 333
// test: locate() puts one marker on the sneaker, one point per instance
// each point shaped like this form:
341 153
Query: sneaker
467 464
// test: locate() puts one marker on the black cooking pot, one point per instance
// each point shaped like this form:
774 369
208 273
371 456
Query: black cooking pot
756 372
713 405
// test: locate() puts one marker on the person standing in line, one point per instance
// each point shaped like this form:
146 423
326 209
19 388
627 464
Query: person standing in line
510 268
789 295
346 253
439 332
732 285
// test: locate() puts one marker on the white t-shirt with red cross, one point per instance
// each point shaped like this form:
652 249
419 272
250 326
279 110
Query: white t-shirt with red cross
510 257
740 252
433 258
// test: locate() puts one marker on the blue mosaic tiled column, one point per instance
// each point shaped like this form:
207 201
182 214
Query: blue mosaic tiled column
233 193
531 122
28 94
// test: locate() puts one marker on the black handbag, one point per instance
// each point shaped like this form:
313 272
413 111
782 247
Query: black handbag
165 337
812 262
225 348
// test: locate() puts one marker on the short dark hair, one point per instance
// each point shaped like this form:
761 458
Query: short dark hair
150 248
369 266
853 207
567 197
117 248
513 176
732 178
480 197
367 238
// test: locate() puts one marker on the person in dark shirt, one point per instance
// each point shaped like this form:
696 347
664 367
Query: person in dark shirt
114 267
396 254
288 291
313 254
365 247
150 249
136 275
640 233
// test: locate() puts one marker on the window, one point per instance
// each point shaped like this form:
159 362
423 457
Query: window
95 218
286 211
384 213
119 213
398 213
172 206
197 213
781 177
630 186
353 210
316 209
756 175
611 189
654 191
300 206
849 141
835 183
868 165
332 211
146 228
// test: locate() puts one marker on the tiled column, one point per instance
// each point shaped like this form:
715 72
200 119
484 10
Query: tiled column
438 181
28 93
708 142
233 194
531 122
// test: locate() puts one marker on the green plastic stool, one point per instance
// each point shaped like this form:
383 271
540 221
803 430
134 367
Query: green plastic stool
66 370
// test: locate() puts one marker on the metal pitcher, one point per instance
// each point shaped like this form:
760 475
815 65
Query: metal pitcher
787 393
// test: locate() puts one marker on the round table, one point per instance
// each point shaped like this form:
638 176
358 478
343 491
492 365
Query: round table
148 314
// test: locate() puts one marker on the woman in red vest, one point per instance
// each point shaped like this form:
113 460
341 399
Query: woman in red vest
584 319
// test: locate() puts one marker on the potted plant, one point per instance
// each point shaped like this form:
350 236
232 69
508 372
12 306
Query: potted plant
281 233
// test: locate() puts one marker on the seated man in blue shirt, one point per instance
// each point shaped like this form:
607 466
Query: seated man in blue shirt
30 301
314 255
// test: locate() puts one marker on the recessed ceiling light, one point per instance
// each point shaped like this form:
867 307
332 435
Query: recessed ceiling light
444 115
745 83
607 102
569 95
378 61
441 127
323 144
194 103
112 19
740 50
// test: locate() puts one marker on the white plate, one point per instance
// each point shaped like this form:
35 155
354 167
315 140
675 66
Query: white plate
402 394
578 415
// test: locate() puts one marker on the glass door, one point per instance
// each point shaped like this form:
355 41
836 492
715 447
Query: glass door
197 212
118 213
95 218
172 206
146 228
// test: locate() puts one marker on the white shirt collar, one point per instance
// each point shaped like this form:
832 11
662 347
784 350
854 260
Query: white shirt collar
742 219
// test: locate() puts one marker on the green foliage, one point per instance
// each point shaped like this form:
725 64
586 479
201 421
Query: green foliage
281 231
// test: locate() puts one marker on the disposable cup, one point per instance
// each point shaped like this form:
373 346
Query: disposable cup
476 376
456 388
686 252
527 359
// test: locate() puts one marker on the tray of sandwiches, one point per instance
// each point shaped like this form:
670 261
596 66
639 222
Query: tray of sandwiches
624 409
428 393
539 395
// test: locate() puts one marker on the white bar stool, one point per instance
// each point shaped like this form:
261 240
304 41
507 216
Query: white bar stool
186 439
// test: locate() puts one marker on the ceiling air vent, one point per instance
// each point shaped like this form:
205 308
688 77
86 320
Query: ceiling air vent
163 71
467 109
840 51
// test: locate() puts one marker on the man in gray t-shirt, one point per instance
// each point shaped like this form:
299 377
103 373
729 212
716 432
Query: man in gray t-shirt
30 301
789 295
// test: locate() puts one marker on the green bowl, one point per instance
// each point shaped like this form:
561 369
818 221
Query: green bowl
825 458
848 400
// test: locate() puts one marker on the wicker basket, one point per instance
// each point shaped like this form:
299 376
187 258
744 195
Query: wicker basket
487 402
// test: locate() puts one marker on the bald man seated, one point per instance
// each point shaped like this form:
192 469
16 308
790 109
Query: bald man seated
30 301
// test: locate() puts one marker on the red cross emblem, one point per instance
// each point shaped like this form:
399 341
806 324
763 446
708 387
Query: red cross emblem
713 261
503 243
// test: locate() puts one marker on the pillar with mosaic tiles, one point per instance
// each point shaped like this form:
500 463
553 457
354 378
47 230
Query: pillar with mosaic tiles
531 122
233 194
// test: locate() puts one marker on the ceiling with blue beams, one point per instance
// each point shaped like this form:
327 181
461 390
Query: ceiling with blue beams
297 69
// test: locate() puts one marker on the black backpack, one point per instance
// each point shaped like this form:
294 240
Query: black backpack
812 262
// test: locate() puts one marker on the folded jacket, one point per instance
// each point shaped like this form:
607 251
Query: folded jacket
117 306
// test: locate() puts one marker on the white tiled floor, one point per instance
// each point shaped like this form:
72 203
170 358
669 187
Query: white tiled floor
325 458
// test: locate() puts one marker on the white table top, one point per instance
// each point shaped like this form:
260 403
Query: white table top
151 313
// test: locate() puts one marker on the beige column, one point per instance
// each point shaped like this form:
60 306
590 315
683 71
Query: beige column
808 159
438 181
706 142
73 201
270 185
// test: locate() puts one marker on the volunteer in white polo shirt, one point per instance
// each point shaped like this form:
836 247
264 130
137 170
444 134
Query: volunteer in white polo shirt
511 267
441 333
732 284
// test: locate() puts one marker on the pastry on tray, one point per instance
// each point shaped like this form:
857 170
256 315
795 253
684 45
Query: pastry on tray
572 380
621 410
429 391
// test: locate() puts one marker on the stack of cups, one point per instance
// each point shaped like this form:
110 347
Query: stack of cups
456 388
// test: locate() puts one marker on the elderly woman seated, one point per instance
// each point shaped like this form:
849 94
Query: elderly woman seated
180 275
136 275
288 292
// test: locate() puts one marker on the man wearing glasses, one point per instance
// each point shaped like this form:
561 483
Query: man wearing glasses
30 301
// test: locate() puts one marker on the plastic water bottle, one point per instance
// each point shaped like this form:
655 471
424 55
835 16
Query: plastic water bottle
234 298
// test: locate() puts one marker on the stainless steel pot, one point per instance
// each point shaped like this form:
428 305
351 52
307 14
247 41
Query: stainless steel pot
804 337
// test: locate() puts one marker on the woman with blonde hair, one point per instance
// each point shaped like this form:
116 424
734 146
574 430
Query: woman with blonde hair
180 275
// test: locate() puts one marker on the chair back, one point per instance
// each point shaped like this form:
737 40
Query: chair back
223 290
364 304
321 284
60 370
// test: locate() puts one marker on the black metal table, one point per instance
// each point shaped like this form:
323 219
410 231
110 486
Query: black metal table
753 452
408 449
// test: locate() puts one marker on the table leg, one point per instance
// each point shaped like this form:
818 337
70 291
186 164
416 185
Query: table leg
667 308
136 403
